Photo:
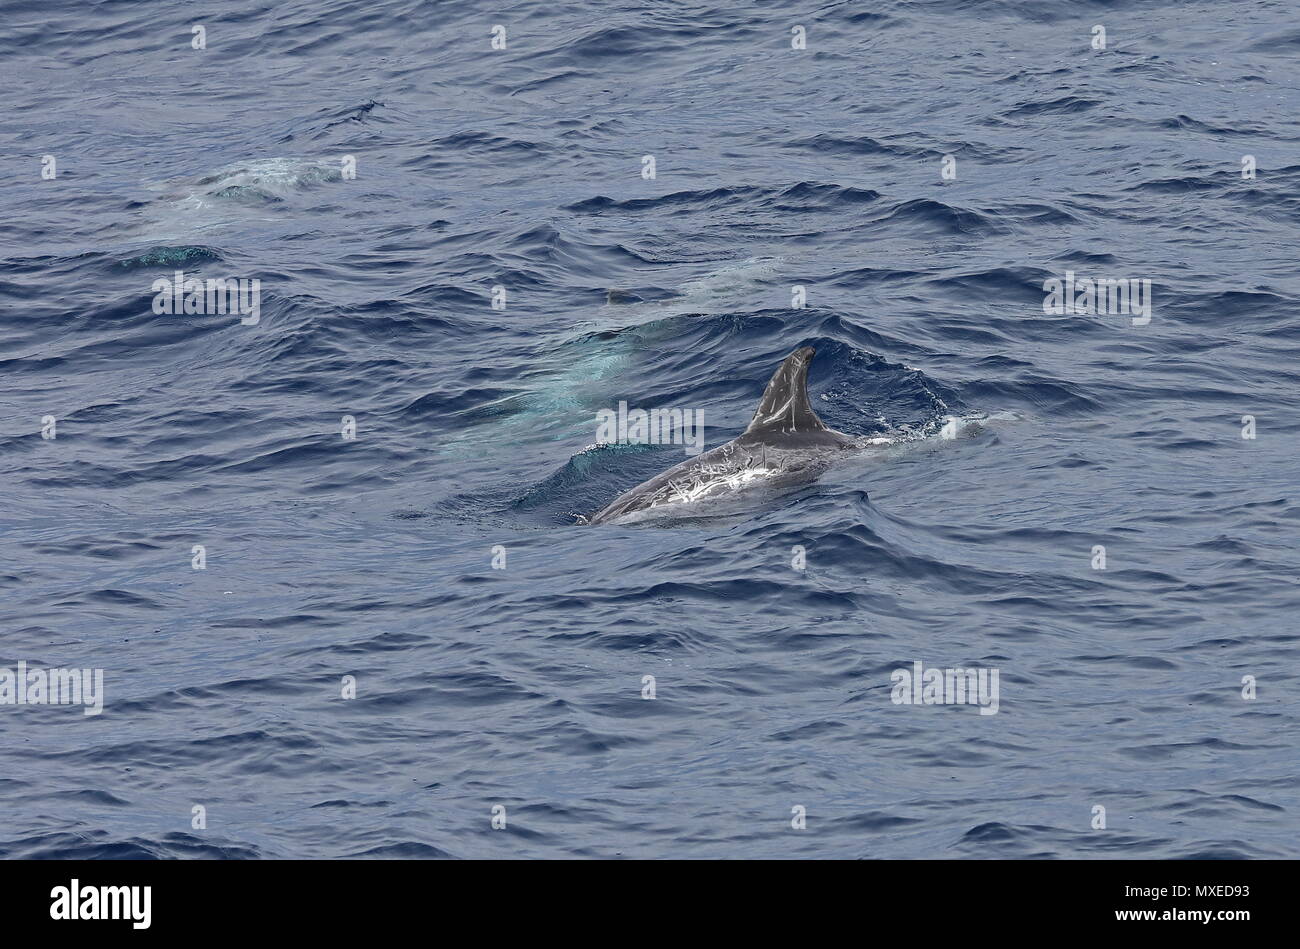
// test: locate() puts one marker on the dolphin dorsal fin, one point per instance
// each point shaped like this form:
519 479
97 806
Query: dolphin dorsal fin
785 406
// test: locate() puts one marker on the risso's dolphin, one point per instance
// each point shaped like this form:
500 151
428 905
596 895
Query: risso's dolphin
785 444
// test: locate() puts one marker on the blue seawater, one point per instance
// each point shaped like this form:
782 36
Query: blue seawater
922 169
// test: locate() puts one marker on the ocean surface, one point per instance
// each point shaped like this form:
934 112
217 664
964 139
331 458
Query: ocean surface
920 170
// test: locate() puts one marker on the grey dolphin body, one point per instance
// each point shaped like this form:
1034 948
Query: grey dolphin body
785 444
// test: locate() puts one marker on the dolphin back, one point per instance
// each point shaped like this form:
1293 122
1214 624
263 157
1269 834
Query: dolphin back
786 442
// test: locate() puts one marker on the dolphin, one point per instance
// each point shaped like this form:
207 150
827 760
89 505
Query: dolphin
785 444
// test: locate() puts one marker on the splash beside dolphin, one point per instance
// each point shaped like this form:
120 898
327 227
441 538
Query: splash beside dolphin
785 444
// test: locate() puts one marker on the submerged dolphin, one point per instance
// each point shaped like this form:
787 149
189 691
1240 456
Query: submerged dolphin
785 444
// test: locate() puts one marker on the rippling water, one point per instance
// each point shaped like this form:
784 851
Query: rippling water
522 168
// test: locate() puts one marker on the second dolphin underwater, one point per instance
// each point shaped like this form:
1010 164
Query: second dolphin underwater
785 444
